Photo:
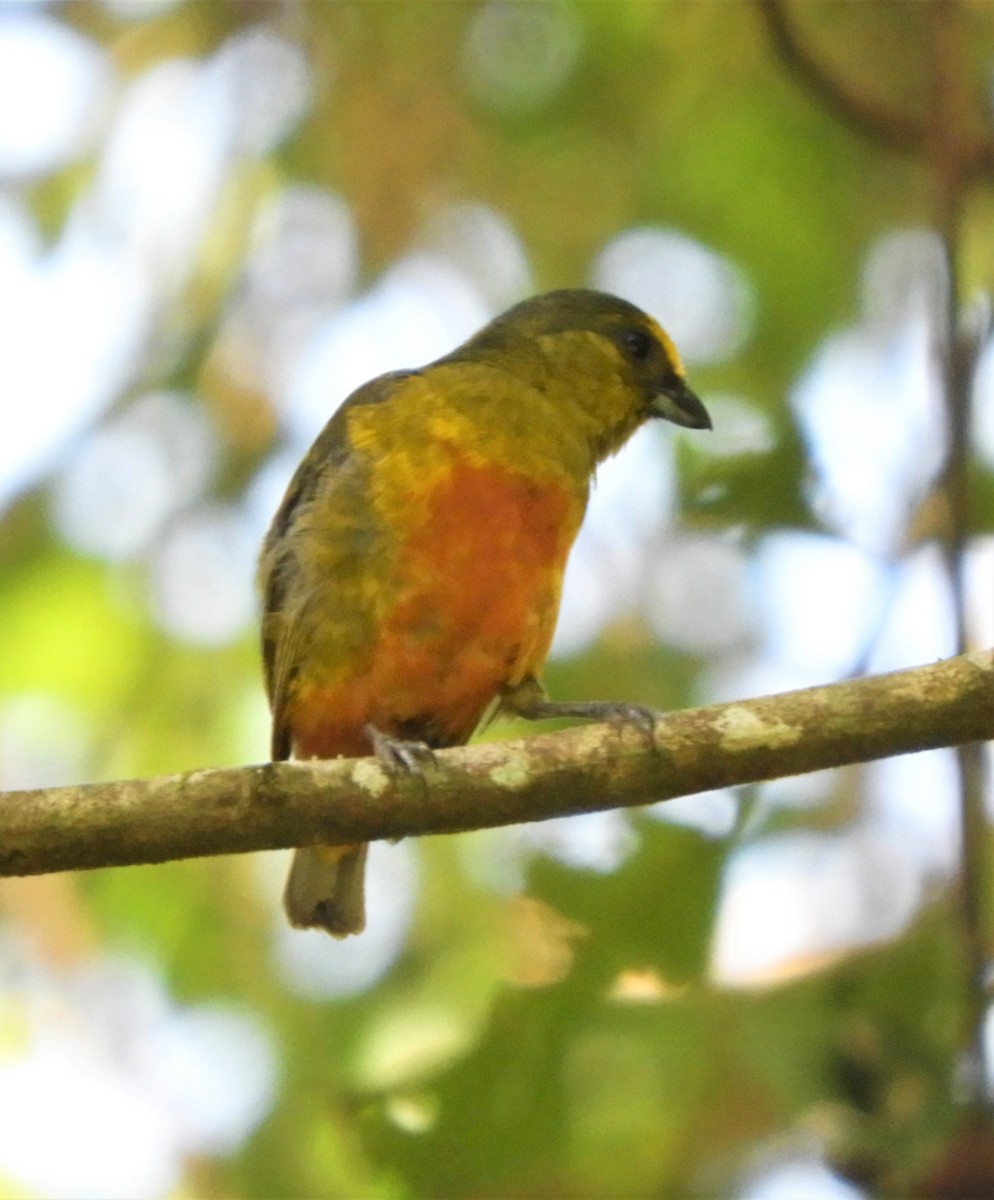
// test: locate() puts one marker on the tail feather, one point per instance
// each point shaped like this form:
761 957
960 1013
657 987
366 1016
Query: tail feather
325 889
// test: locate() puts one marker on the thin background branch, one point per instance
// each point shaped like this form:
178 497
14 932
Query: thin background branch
948 163
870 115
953 141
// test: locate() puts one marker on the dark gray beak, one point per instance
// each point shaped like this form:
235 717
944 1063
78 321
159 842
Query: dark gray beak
677 403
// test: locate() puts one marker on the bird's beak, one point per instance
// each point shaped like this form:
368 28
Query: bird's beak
677 403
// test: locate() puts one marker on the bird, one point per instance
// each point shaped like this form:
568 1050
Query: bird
410 579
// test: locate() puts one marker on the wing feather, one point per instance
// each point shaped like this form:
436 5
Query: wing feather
328 475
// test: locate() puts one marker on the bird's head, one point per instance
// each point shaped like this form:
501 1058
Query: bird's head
598 354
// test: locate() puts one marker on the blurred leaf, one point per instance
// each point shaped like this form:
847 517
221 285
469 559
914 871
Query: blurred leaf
565 1042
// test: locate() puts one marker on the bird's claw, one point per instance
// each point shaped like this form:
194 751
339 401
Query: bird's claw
398 755
631 714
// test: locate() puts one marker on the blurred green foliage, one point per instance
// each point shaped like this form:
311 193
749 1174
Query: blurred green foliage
571 1043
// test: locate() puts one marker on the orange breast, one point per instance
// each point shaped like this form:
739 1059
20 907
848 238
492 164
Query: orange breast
475 593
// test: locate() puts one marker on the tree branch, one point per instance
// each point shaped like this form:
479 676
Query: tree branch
862 112
958 353
578 770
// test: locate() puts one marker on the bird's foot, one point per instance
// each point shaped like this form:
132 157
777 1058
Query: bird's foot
398 755
614 712
529 701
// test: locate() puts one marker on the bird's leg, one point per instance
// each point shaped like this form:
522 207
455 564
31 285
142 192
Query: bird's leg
397 754
529 701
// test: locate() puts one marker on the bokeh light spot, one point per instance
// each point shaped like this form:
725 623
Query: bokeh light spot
132 475
796 1176
631 501
696 594
213 1068
983 406
905 278
819 601
702 301
266 85
304 251
597 841
480 242
739 428
112 1086
422 308
202 576
519 54
712 813
30 757
870 405
793 903
52 81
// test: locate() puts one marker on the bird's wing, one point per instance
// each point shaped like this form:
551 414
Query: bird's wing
331 476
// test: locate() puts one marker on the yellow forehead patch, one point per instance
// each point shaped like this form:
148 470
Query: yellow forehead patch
667 344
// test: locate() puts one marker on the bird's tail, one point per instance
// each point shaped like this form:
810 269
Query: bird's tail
325 889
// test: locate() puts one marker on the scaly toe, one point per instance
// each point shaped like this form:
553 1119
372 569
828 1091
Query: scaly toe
398 755
634 714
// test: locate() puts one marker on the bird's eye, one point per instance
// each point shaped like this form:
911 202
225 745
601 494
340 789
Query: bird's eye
637 343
